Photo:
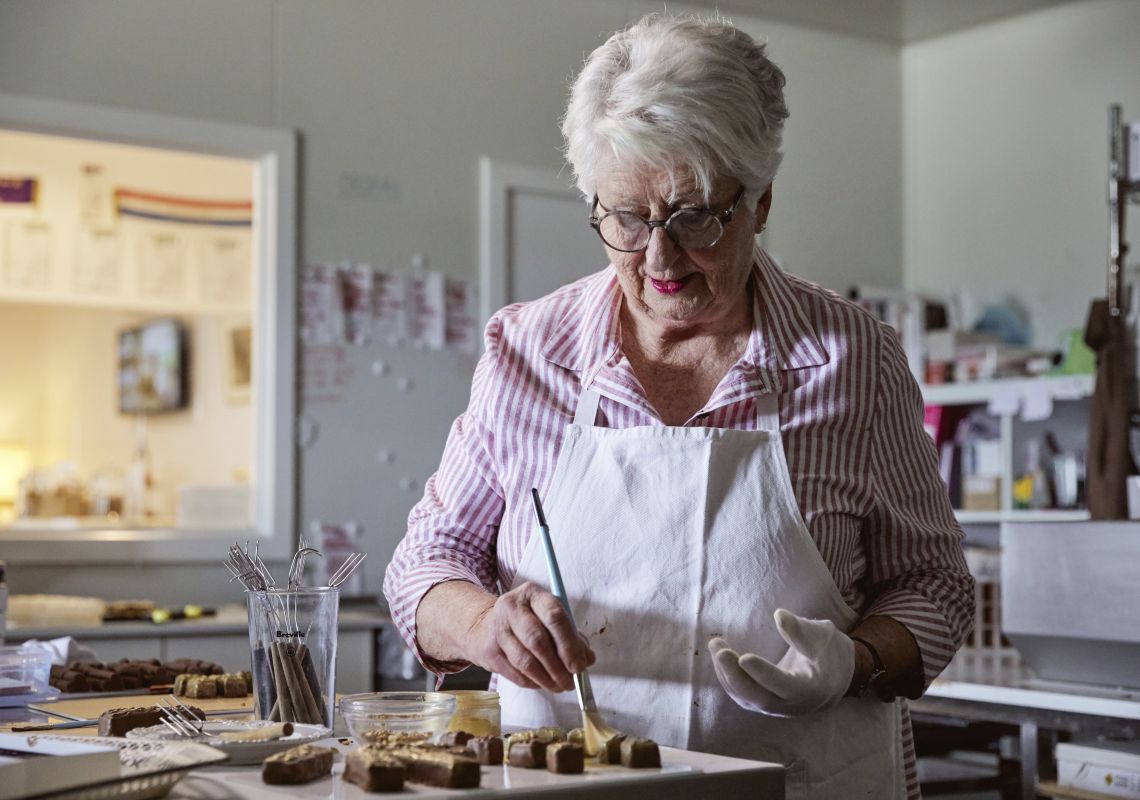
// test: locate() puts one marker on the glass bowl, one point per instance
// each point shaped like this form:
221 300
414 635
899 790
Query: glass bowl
397 712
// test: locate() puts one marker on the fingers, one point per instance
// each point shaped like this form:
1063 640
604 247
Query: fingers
572 650
739 684
809 636
784 685
530 640
716 644
538 656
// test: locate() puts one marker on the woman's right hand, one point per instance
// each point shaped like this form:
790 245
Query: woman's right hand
527 637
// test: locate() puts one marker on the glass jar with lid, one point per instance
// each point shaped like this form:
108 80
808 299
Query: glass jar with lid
477 712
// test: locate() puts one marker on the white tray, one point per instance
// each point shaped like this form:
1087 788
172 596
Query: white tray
149 768
239 752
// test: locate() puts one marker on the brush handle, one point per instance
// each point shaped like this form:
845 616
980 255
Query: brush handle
581 679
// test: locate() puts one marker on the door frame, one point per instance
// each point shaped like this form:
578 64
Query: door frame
498 183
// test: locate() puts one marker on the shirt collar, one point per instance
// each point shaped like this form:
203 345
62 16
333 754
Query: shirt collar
783 337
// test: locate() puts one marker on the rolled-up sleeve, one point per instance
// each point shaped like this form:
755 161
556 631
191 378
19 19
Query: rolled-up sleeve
452 530
914 543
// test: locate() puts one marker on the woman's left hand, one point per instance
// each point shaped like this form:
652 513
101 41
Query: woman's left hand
814 674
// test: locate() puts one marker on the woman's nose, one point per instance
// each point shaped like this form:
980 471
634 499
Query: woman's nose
661 251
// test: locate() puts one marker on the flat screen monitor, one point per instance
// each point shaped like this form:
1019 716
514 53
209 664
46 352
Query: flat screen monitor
153 368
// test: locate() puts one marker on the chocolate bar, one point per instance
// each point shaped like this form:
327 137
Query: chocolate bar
565 758
117 721
373 769
551 733
201 687
455 738
611 750
487 749
394 738
529 754
437 767
640 753
301 764
128 674
232 684
229 684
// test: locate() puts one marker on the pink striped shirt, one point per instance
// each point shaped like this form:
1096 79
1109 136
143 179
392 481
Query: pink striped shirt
863 470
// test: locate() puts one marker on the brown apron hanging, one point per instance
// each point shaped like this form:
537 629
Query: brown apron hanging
1109 462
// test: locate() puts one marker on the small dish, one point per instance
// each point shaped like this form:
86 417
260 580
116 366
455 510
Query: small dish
253 752
400 712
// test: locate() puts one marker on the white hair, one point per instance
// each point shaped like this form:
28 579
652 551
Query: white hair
692 96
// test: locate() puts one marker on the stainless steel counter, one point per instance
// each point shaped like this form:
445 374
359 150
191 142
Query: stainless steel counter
1006 693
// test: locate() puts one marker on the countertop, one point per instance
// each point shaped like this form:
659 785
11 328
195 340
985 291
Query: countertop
684 774
1010 684
229 620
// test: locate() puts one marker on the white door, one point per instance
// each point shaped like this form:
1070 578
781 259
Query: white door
534 234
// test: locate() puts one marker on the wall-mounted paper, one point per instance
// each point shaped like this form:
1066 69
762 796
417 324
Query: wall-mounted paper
29 255
318 295
98 261
389 307
18 191
426 320
460 316
161 267
356 299
224 267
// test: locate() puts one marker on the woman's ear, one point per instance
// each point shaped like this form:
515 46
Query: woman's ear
763 206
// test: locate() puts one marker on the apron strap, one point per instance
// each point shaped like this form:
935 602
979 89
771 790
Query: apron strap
587 411
767 410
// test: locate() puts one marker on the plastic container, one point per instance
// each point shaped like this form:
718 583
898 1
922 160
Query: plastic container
401 712
477 712
24 675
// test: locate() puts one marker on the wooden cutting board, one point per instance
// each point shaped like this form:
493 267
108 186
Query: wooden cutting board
92 707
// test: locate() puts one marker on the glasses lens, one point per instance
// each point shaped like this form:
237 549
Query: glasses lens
694 228
623 230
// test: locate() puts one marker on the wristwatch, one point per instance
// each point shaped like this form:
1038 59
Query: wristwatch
878 672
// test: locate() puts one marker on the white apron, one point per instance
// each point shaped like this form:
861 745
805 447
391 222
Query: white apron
667 537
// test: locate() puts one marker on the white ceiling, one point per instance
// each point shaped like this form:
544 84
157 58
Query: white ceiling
898 21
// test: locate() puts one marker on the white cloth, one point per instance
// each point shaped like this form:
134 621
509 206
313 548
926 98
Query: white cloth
64 650
668 537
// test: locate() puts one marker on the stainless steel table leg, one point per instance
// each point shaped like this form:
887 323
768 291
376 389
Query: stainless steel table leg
1028 761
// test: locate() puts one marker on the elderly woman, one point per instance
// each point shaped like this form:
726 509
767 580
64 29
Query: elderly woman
750 523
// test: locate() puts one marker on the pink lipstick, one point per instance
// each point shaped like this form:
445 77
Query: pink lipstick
668 287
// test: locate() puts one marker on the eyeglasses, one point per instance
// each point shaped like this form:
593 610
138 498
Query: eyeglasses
690 228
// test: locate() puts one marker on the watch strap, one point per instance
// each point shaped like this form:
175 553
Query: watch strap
878 669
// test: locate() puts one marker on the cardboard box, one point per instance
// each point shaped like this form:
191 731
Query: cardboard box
981 493
1110 768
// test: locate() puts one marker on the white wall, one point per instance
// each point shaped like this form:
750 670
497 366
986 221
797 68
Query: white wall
1005 131
395 101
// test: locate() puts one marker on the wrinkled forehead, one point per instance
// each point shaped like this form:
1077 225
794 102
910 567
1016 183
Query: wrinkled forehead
643 183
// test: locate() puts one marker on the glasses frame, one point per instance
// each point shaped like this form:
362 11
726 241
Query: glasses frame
723 217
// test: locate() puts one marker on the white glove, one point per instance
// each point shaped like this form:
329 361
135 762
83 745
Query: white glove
814 674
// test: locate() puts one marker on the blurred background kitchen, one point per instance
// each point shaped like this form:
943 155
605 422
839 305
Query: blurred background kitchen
246 250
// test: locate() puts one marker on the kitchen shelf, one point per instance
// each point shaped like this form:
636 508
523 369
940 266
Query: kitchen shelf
1025 409
1059 387
1019 515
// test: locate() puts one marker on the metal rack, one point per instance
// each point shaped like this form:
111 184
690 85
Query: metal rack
1121 191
